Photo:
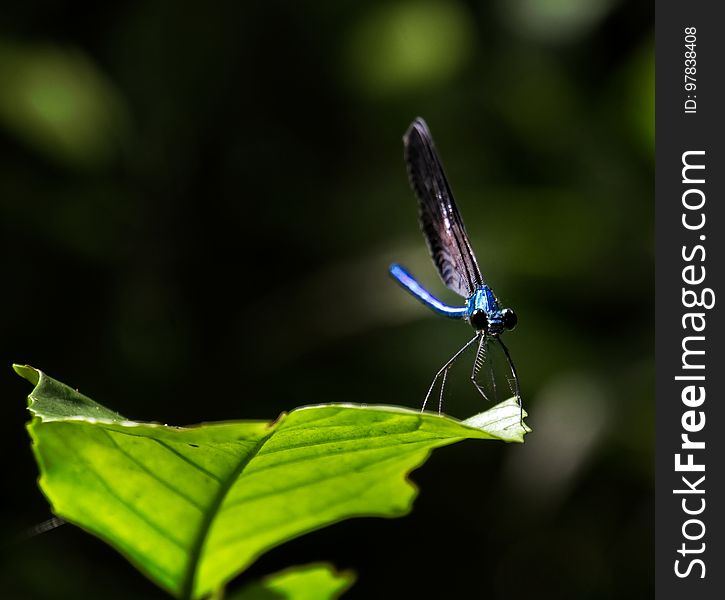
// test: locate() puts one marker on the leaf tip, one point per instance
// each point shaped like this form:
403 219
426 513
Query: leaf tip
27 372
504 421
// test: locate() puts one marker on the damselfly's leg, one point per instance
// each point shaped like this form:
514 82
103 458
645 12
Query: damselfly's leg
515 389
478 363
492 377
444 372
443 386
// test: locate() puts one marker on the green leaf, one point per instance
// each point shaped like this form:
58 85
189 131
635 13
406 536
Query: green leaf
192 507
308 582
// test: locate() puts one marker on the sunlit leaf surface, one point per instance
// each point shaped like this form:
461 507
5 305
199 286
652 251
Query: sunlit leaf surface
193 506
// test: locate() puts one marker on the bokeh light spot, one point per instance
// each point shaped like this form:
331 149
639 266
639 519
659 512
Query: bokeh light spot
405 46
57 102
642 105
553 20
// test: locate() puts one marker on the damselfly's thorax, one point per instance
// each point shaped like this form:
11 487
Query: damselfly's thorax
486 315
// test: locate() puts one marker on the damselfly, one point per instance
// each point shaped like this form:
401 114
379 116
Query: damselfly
451 251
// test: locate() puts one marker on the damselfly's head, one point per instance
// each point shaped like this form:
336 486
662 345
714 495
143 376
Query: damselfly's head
495 322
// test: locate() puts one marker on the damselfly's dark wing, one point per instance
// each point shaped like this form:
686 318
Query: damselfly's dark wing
439 217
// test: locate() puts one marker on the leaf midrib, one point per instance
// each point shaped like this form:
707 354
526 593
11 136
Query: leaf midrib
187 587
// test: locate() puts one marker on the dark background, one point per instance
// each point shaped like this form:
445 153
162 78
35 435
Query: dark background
199 203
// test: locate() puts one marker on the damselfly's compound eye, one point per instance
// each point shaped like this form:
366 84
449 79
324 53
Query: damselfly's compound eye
509 318
478 319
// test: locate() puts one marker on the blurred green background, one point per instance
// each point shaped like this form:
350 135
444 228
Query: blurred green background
199 204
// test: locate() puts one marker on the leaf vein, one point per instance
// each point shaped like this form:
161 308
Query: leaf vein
309 482
173 489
